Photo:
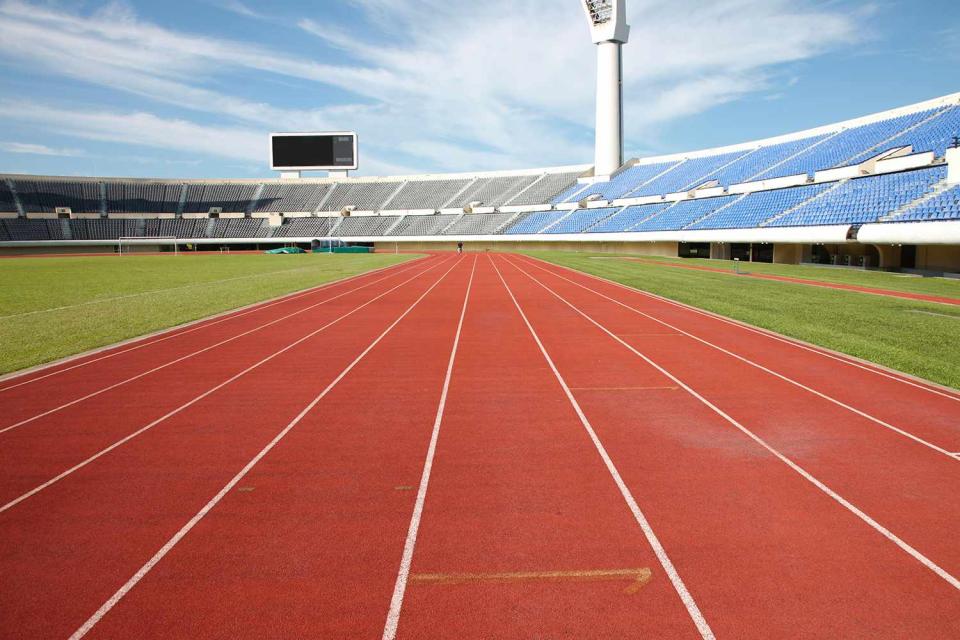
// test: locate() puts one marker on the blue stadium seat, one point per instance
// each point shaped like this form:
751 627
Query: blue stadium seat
754 208
582 220
945 206
628 218
683 213
842 148
864 200
534 222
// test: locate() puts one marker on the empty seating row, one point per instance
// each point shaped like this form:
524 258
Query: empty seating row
423 225
582 219
936 134
534 222
105 229
142 197
478 224
426 194
8 203
45 196
300 198
685 176
363 196
545 189
683 213
493 192
944 206
22 230
759 160
305 228
626 219
365 226
753 209
842 148
863 200
624 182
177 227
239 228
230 198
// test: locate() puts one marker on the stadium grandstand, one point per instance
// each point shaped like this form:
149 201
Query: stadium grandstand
857 190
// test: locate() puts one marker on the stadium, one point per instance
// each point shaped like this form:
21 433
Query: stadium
699 394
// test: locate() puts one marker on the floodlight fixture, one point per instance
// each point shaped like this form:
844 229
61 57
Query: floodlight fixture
609 29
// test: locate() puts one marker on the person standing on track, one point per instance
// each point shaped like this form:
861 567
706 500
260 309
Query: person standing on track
459 248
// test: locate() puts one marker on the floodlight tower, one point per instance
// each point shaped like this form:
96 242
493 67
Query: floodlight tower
608 26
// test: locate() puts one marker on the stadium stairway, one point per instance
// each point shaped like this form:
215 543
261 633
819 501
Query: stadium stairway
910 206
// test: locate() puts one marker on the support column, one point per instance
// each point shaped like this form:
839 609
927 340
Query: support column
609 151
953 165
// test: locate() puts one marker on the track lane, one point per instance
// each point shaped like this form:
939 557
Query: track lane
311 549
928 412
518 490
820 437
68 549
44 449
809 558
822 352
84 374
37 458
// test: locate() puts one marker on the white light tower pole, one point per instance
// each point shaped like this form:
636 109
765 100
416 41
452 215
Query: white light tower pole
608 26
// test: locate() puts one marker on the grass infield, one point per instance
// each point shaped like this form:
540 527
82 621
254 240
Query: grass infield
914 337
55 307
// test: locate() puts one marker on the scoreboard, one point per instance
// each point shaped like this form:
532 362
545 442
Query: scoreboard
331 151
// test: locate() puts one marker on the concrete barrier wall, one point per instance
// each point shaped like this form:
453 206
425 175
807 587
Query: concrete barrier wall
668 249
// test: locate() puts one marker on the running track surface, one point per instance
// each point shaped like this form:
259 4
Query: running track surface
813 283
485 446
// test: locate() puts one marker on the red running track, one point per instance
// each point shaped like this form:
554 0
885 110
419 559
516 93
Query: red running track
906 295
486 446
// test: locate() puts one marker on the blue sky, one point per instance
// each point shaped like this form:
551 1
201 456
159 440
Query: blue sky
191 89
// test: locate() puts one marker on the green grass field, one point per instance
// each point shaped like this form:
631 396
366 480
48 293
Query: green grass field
948 287
55 307
914 337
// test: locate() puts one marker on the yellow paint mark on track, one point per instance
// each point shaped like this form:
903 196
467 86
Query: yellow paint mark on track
637 577
624 388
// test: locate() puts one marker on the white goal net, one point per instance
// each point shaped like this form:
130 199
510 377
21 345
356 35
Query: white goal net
126 243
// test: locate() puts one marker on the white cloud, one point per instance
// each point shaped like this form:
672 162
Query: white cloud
140 129
40 150
239 8
148 130
438 85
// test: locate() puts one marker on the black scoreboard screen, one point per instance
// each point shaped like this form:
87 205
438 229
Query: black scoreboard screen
313 151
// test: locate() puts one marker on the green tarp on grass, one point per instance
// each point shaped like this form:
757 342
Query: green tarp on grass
284 250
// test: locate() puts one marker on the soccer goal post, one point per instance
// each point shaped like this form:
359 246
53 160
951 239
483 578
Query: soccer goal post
125 243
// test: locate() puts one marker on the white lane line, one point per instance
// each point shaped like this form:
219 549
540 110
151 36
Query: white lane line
189 327
93 394
179 535
396 603
950 394
799 385
200 397
701 623
889 535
